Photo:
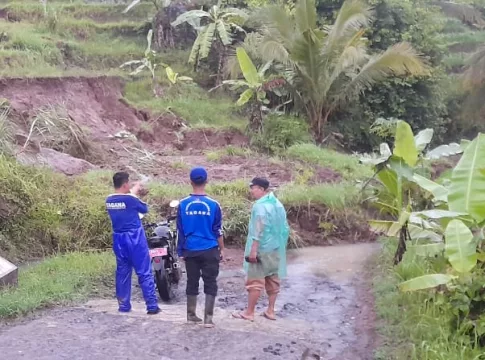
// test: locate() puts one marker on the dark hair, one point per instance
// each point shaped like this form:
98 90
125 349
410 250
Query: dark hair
261 182
120 178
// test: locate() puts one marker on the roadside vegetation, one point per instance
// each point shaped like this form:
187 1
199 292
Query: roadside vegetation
58 280
431 268
379 94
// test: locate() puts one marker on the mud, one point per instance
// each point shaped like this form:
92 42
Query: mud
161 146
319 225
324 311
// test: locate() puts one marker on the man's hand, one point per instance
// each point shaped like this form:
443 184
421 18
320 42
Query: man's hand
143 191
138 189
221 252
253 257
135 189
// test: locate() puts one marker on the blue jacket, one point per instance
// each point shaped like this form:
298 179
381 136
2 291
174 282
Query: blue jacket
199 224
124 210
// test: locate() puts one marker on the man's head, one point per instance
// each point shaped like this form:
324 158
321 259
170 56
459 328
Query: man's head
198 177
121 182
259 187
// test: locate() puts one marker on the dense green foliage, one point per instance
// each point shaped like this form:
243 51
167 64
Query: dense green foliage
77 34
439 249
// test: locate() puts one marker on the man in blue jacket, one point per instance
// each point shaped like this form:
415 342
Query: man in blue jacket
200 244
130 243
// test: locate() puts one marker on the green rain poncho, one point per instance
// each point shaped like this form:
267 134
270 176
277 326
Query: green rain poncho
269 226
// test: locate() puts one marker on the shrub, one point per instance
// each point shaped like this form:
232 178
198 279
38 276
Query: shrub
281 132
347 166
43 212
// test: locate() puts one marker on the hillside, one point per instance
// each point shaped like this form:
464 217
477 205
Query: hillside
358 112
69 107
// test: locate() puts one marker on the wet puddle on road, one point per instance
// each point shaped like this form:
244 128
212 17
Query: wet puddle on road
315 304
315 311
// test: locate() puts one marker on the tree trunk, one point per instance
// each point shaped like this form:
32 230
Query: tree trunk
318 120
221 63
256 118
168 37
401 246
163 36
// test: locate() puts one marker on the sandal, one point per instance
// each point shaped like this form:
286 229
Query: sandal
269 317
240 315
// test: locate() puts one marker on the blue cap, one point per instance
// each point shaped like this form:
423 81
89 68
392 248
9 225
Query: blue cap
198 175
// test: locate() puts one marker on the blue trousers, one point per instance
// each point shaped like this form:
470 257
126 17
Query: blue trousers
131 250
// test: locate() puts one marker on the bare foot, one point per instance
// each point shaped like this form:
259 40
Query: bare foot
243 316
269 315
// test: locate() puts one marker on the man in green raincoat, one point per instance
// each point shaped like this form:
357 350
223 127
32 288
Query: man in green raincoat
265 254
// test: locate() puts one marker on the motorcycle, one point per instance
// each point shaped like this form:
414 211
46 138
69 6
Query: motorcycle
162 245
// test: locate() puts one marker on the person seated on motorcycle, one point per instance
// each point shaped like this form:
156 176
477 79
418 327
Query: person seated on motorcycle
130 244
200 244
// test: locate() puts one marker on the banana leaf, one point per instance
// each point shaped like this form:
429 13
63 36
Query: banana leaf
423 138
425 282
439 192
460 247
247 67
467 191
405 145
426 250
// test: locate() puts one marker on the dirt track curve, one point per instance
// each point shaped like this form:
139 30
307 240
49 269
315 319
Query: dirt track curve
324 310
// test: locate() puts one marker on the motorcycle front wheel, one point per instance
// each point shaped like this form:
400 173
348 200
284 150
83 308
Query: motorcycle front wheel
163 285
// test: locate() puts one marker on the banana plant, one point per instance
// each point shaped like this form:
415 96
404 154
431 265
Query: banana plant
256 82
148 62
215 31
465 197
396 171
151 63
158 4
174 77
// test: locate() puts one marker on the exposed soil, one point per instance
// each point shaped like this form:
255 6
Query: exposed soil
438 167
463 48
121 137
324 311
318 225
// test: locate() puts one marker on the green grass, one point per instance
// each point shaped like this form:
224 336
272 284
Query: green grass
71 46
43 214
6 131
415 326
55 281
190 102
334 196
456 60
34 12
466 42
346 165
216 155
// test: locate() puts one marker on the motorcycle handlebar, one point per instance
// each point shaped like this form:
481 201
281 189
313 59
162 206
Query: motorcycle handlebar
165 223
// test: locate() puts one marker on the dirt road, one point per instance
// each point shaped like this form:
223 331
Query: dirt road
324 310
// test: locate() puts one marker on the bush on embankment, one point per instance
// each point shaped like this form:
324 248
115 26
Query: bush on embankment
42 212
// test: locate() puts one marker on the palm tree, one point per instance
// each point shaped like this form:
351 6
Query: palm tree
328 67
214 27
473 81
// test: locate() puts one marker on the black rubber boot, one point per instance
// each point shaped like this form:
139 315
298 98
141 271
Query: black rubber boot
209 310
154 311
191 308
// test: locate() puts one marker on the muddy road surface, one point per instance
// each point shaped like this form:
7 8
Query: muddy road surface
324 312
